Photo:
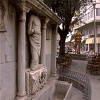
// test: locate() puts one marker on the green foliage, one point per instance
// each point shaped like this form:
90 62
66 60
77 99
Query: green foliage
65 8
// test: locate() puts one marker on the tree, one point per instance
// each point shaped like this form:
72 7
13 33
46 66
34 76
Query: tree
66 10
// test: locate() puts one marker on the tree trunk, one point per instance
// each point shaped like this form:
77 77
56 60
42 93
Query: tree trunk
62 34
62 46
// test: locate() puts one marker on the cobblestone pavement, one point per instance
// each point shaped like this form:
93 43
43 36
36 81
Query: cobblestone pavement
80 66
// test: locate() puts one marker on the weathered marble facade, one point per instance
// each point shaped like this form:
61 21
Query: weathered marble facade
15 53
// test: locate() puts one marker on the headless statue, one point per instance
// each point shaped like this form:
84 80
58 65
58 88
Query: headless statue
34 32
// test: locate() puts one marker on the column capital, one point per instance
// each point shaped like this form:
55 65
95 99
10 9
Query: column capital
22 9
28 9
21 6
45 22
54 28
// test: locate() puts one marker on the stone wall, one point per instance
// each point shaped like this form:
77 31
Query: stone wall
8 55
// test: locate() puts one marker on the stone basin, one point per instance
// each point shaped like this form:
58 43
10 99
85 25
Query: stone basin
62 91
55 90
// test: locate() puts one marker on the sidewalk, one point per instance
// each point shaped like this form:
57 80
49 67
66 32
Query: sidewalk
80 66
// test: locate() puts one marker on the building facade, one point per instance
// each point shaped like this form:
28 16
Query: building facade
89 26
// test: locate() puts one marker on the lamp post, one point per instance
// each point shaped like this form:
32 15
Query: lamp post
95 44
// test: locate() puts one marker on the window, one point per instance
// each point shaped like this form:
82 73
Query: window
97 11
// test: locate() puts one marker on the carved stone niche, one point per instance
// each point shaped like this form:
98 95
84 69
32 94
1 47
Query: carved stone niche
2 14
35 80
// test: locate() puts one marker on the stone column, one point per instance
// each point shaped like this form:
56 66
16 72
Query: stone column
21 94
43 41
54 49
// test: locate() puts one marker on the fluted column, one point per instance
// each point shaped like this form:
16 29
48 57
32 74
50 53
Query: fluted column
43 41
54 50
21 93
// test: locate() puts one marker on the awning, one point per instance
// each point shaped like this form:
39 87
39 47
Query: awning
68 39
91 40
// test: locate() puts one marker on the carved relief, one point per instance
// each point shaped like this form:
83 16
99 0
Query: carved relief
37 80
33 85
2 14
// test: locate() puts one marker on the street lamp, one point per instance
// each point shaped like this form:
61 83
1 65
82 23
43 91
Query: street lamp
95 44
